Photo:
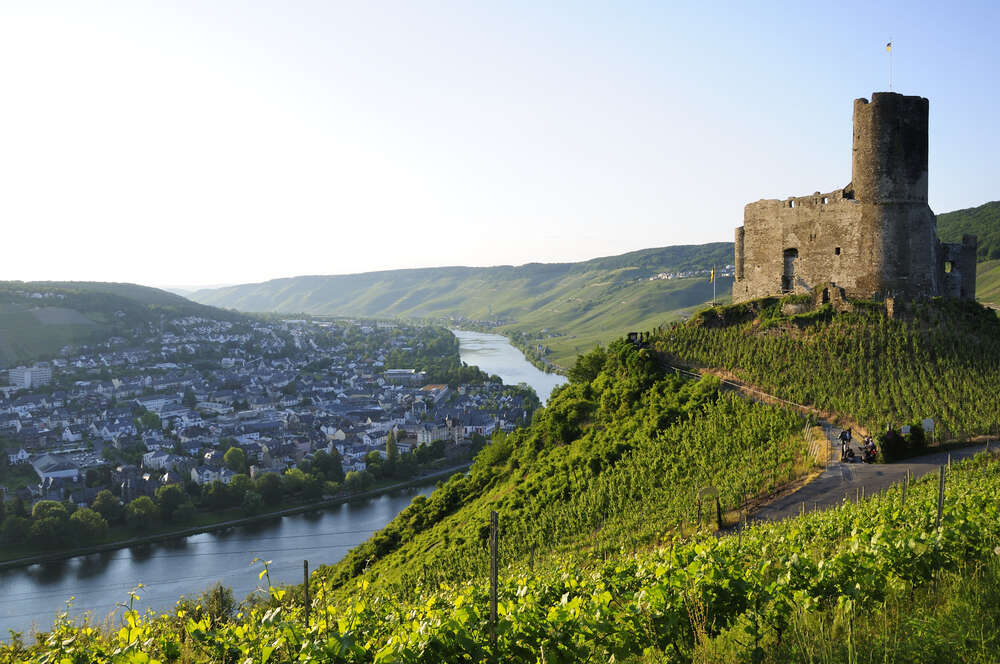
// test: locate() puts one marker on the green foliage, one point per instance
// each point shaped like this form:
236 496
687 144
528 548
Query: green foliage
605 456
235 459
49 508
174 503
851 580
88 526
142 513
982 221
82 312
879 371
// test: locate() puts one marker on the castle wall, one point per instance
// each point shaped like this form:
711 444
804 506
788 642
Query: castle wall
957 268
877 238
826 236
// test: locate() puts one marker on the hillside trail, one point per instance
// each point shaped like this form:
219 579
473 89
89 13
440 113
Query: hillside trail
839 480
852 479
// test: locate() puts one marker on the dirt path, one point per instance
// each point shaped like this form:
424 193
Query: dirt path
850 479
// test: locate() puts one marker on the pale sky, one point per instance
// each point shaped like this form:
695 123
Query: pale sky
193 143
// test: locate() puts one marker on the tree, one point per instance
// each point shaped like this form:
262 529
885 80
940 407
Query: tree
189 400
48 532
292 481
216 495
391 453
239 486
268 486
149 421
19 508
14 529
108 506
170 499
44 509
357 481
88 526
235 459
329 465
252 503
312 487
142 513
375 464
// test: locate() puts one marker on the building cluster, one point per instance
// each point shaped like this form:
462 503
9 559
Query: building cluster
725 271
176 401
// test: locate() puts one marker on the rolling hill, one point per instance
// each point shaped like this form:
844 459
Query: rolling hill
39 318
982 221
566 307
577 304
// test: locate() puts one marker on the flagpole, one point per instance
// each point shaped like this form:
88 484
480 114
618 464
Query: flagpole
890 64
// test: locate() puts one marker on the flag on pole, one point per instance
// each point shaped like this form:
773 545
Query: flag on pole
888 47
711 277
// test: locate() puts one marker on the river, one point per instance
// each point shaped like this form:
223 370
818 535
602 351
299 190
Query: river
494 354
34 595
187 566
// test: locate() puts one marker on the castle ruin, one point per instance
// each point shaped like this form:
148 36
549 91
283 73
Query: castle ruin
874 239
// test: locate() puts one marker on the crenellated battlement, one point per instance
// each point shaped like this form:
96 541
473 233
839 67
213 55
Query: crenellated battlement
874 238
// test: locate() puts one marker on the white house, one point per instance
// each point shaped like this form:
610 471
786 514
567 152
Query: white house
18 457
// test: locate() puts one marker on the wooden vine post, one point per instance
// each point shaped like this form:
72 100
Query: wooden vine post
494 527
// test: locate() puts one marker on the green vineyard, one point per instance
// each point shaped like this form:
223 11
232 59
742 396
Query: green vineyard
940 361
746 594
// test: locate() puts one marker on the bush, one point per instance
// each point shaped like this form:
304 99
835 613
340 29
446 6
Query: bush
917 439
892 444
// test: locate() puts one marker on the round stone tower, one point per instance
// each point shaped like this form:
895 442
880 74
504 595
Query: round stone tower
889 179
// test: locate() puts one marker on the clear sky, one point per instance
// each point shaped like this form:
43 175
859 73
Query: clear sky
209 142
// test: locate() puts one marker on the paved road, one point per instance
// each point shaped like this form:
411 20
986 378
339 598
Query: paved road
847 479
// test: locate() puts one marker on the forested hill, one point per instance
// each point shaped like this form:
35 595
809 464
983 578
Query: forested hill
499 292
567 307
982 221
38 318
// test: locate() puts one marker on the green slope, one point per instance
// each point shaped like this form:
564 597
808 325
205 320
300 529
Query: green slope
988 282
940 360
39 318
594 301
566 307
982 221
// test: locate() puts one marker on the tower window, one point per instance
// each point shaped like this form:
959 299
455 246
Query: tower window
837 251
791 204
947 267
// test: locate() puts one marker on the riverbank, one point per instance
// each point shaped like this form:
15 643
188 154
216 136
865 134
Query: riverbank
497 355
25 561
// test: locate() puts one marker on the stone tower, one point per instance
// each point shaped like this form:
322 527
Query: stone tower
875 238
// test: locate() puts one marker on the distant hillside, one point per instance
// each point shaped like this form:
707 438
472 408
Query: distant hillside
595 300
39 318
982 221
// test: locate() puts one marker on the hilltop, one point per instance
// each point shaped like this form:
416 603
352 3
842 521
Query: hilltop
39 318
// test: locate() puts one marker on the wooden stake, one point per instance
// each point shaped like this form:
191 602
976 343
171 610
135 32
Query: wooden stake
305 586
940 495
494 526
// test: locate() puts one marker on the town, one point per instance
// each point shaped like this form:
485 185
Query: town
202 414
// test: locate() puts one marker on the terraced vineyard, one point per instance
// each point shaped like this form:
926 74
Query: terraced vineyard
740 596
940 361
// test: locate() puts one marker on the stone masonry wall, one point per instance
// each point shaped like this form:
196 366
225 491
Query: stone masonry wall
826 233
876 238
